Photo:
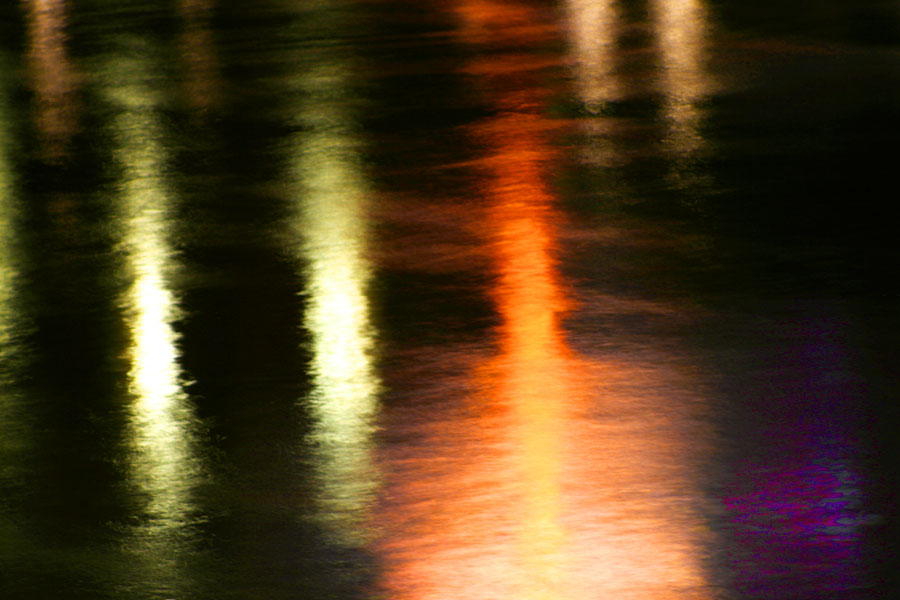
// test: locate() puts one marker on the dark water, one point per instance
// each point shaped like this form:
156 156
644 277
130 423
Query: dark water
486 299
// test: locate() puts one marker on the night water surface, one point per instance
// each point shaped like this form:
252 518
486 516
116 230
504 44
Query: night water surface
449 299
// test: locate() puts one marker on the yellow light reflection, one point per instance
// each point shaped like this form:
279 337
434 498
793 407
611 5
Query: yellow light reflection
681 31
164 464
52 75
593 30
331 222
198 54
564 477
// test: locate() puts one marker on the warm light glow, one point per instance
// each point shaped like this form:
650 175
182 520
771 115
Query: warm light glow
593 31
499 21
681 30
531 372
563 477
164 466
52 75
331 222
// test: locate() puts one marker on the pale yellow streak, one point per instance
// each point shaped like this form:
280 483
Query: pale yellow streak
16 430
163 462
8 232
593 28
52 74
11 308
331 222
681 30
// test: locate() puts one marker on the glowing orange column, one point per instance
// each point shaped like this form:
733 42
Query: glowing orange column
561 476
485 521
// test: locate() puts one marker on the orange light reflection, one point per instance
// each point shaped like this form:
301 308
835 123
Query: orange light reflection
530 375
562 477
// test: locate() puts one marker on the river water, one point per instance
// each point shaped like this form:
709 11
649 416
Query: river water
432 299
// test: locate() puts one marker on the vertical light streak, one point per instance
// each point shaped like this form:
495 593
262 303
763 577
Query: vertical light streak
331 224
8 234
52 75
480 514
592 522
593 31
592 27
164 467
532 370
13 436
563 477
681 32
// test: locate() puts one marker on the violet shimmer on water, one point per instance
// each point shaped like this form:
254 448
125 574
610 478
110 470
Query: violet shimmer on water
433 300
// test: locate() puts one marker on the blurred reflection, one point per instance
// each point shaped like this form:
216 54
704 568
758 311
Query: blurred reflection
52 75
198 54
593 31
13 438
681 31
331 222
561 477
164 466
532 374
9 212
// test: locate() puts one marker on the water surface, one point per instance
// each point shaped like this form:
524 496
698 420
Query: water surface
536 299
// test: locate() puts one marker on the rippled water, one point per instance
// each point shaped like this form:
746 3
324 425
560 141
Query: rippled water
487 299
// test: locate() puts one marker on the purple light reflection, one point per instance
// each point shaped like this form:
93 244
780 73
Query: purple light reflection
797 526
795 508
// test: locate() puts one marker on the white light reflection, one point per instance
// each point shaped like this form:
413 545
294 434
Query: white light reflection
52 75
681 30
593 32
163 464
330 221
